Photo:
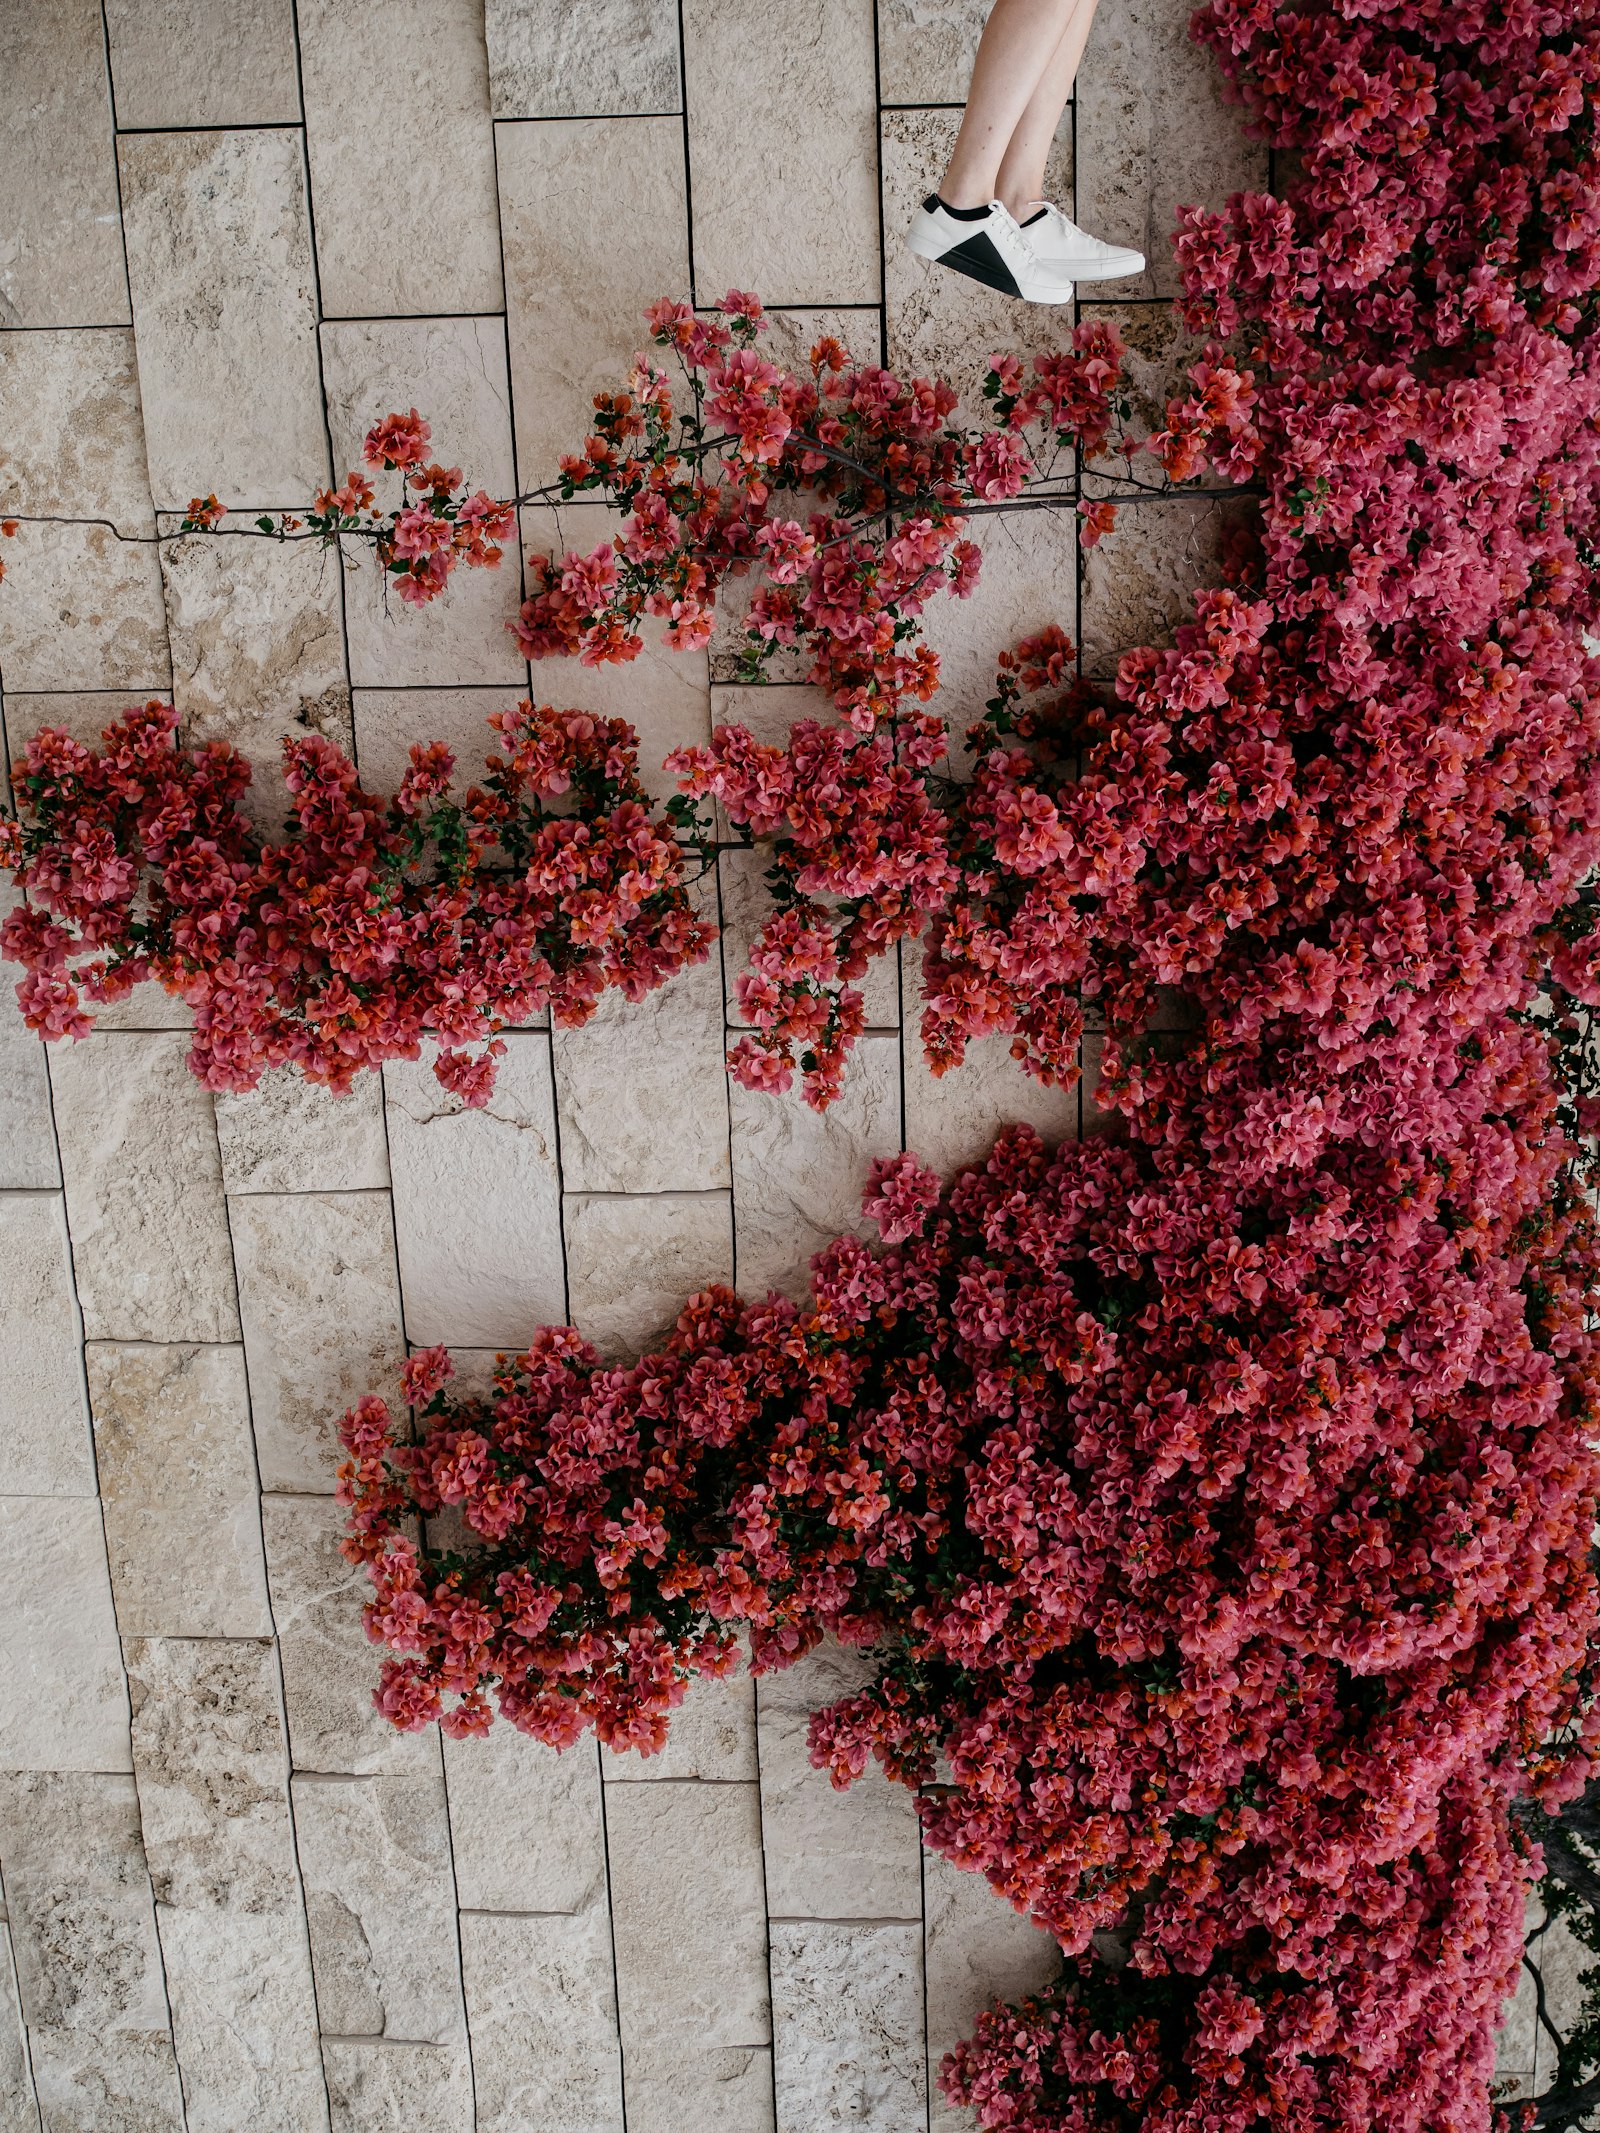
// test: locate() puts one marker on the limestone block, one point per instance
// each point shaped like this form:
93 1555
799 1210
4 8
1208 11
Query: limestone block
573 332
452 370
462 637
1156 134
329 1668
1564 1963
848 2027
320 1302
926 49
541 2004
19 2112
376 2084
83 611
727 2088
63 1701
712 1733
1029 580
978 1951
144 1190
477 1202
1515 2046
224 292
405 212
525 1823
793 332
1158 351
801 228
545 60
690 1924
60 251
390 722
88 1961
244 2021
940 324
44 1446
746 907
380 1902
1139 582
74 443
178 1489
798 1175
634 1260
27 1130
288 1134
238 62
830 1854
84 713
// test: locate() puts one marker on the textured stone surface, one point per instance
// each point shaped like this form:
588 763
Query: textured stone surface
390 722
1154 134
178 1485
801 226
144 1190
686 1902
460 639
83 611
224 294
712 1734
74 442
1139 582
847 2042
405 212
19 2112
633 1260
545 60
525 1823
977 1951
27 1129
1157 354
926 49
1564 1963
572 332
477 1202
60 249
290 1135
237 62
380 1902
376 2084
1029 579
541 2003
45 1448
729 2089
63 1702
320 1302
798 1175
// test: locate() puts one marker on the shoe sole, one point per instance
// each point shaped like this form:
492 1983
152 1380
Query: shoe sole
979 259
1092 273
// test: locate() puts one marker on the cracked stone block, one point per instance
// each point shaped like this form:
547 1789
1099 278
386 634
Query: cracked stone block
830 1854
380 1903
238 62
144 1190
847 2027
1140 580
1029 580
689 1916
61 249
225 305
179 1491
978 1952
19 2111
477 1202
88 1961
727 2088
45 1448
541 2005
800 227
747 905
798 1174
545 60
572 332
391 722
634 1260
27 1130
288 1134
460 638
83 611
525 1823
1155 133
378 2083
405 211
712 1733
63 1701
74 442
926 49
320 1302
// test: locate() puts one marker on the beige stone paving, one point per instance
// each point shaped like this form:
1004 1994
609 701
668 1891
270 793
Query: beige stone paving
233 1897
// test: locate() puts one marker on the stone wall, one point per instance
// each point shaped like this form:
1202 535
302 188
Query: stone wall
234 233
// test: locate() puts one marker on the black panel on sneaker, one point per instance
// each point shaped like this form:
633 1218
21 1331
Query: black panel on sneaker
979 257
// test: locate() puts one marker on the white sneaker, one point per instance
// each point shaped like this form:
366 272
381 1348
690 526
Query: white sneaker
1060 244
988 247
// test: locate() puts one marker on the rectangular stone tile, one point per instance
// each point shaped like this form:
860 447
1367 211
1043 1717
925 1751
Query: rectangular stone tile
545 60
61 249
405 213
27 1128
329 1668
712 1734
237 62
689 1916
179 1492
288 1134
541 2004
460 638
82 610
978 1952
477 1202
830 1854
212 1764
377 2083
381 1906
1564 1964
1157 353
320 1301
144 1190
634 1260
728 2089
1515 2044
926 49
63 1701
218 230
45 1448
573 332
847 2023
88 1960
798 1174
1029 580
74 442
1140 580
391 722
19 2113
525 1823
746 905
801 226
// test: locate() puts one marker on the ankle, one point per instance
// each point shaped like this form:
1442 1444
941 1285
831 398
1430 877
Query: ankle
964 196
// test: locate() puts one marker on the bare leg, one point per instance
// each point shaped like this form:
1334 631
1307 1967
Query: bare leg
1020 42
1021 180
